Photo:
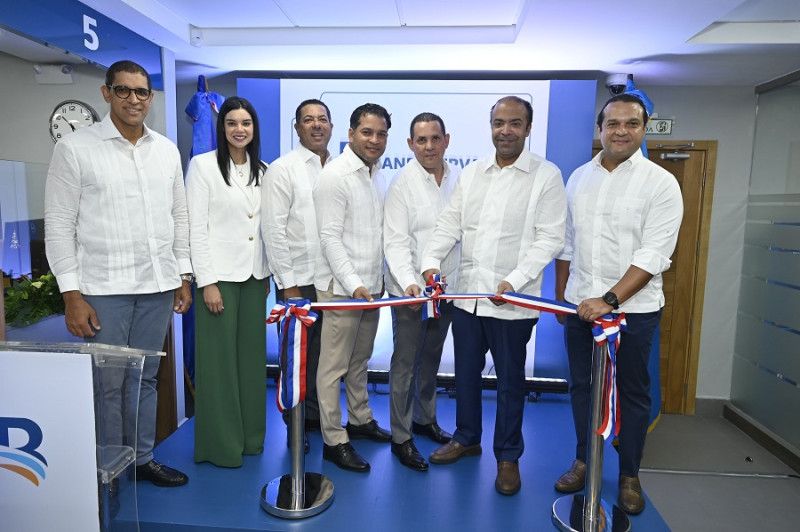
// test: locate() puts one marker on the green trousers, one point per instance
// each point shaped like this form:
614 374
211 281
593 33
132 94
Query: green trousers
230 374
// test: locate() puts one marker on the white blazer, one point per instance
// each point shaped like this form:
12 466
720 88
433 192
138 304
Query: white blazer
224 224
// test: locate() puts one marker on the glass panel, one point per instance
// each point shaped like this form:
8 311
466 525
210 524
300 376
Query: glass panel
22 219
776 155
766 363
772 265
771 401
768 344
770 302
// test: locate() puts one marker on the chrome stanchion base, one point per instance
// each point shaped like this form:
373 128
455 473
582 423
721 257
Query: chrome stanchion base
568 516
277 497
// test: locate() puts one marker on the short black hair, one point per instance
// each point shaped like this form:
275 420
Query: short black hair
126 66
625 98
312 101
369 109
516 99
426 117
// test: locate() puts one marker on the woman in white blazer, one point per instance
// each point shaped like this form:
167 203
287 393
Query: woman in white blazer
230 264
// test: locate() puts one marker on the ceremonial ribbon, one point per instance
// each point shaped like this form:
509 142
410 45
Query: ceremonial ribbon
433 290
294 319
607 330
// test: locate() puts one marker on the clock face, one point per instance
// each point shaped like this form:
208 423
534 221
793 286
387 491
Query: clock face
69 116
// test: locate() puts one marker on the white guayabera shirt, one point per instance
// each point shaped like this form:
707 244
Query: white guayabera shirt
510 222
115 213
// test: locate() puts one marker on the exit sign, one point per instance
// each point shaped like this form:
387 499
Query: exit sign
659 126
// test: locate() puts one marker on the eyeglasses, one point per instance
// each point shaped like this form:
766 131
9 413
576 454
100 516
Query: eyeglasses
124 92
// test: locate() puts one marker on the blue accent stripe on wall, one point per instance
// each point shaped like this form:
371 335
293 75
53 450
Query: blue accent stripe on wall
571 123
265 95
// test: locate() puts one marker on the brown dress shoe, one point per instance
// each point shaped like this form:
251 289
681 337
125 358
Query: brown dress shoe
452 451
507 482
630 498
573 480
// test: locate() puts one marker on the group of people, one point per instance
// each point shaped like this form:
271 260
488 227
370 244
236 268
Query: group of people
126 241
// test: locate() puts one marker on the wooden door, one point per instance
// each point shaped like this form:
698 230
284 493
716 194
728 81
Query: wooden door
684 282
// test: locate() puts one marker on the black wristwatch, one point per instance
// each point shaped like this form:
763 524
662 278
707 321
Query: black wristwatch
610 298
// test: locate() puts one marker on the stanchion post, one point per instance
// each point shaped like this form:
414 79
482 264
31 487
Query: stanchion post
589 513
594 461
298 423
291 496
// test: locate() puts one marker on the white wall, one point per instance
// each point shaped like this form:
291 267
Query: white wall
727 115
25 107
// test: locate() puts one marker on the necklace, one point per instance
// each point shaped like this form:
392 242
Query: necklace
240 168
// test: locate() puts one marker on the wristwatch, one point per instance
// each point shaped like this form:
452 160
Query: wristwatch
610 298
187 277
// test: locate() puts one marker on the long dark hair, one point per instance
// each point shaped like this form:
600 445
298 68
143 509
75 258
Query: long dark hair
257 167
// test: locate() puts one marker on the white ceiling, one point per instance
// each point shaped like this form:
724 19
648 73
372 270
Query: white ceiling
674 42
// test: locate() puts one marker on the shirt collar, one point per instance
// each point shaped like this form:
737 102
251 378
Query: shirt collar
355 163
110 131
627 163
523 162
427 174
307 154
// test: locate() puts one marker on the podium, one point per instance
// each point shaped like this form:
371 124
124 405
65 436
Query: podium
68 444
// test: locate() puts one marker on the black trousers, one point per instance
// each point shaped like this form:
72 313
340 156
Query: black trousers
633 384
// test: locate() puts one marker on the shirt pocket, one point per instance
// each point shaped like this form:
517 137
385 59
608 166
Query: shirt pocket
582 209
628 215
422 217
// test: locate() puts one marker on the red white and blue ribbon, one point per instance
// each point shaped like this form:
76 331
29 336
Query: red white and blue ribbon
434 289
607 330
294 320
296 317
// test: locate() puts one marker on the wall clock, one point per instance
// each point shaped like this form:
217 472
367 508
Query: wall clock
69 116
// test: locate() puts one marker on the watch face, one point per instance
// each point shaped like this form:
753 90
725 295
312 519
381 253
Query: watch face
69 116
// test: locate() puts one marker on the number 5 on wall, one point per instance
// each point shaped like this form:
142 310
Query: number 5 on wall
93 42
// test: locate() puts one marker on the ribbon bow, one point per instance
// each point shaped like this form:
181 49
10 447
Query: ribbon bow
606 330
294 319
433 290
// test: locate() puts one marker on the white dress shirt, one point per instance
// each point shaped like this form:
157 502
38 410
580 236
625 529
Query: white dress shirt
510 222
115 213
413 204
289 224
225 223
348 199
630 216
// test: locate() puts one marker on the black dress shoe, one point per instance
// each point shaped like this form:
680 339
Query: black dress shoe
160 475
344 456
369 431
306 445
432 431
409 455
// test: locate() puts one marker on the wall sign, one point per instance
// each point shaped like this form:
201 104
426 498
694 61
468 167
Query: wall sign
659 126
78 29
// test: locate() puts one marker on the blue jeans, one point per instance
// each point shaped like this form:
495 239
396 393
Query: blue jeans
138 321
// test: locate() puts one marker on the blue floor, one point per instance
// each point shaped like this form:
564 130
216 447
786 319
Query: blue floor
459 496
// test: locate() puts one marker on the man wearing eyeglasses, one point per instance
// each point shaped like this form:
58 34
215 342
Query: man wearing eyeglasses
117 240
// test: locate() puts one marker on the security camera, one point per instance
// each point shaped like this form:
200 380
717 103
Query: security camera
616 83
66 69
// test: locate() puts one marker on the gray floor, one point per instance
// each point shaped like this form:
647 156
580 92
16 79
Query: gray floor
704 474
